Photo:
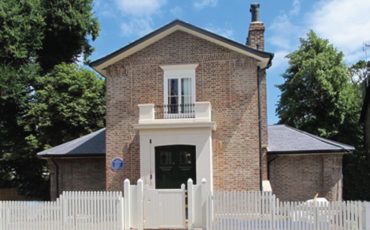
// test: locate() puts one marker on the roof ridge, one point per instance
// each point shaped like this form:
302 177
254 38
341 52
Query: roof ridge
324 140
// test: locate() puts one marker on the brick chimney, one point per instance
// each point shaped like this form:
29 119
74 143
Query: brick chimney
256 31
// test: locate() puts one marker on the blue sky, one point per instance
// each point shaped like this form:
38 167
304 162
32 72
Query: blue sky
346 23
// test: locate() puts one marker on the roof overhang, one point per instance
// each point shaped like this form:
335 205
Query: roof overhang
71 155
308 152
263 58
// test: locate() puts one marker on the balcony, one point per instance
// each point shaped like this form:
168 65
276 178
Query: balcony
175 116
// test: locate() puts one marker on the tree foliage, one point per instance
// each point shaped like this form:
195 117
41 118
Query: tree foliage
44 111
21 33
317 95
358 72
42 101
69 25
67 102
49 31
14 94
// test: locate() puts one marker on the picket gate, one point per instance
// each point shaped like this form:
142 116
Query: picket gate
157 208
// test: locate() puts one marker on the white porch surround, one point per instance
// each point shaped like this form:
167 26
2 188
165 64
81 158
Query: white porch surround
195 131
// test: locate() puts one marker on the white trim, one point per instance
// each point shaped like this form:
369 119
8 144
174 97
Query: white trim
176 124
262 62
178 72
179 67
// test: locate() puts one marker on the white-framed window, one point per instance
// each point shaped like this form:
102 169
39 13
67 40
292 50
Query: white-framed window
179 88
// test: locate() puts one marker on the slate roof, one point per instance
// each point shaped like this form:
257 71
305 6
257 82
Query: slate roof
283 139
92 144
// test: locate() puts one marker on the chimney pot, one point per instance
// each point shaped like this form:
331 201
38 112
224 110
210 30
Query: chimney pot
255 12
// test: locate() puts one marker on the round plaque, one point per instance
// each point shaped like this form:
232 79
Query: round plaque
117 164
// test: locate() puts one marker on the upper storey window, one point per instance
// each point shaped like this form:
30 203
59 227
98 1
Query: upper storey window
179 88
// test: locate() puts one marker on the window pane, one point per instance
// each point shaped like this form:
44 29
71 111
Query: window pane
173 87
186 98
173 95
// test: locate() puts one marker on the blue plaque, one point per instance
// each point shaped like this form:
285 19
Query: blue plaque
117 164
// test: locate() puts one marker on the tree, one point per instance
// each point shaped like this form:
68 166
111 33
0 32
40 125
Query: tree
69 25
18 164
317 95
67 103
44 111
358 72
49 31
21 33
44 33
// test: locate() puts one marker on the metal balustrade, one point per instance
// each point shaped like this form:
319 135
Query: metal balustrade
175 111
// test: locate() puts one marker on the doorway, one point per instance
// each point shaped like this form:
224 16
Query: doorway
174 165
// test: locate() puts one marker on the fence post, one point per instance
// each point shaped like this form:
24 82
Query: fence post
127 203
366 216
121 212
204 194
64 198
190 204
208 212
316 214
140 204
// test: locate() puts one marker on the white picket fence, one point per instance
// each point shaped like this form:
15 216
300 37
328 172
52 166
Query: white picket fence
71 211
143 207
263 211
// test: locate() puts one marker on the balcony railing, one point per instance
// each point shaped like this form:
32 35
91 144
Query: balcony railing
198 111
174 111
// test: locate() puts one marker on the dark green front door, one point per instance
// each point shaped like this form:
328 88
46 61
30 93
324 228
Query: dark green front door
174 165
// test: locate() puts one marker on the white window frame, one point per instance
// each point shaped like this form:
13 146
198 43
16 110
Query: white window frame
178 72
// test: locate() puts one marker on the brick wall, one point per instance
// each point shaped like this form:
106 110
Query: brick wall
299 178
225 78
77 174
256 38
12 194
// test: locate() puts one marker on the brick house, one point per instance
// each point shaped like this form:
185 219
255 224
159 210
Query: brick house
183 102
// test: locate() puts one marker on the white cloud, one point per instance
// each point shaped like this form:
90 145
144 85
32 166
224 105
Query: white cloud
138 15
140 7
296 8
200 4
346 23
280 62
284 33
136 26
176 11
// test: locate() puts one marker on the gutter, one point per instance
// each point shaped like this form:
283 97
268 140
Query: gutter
259 72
